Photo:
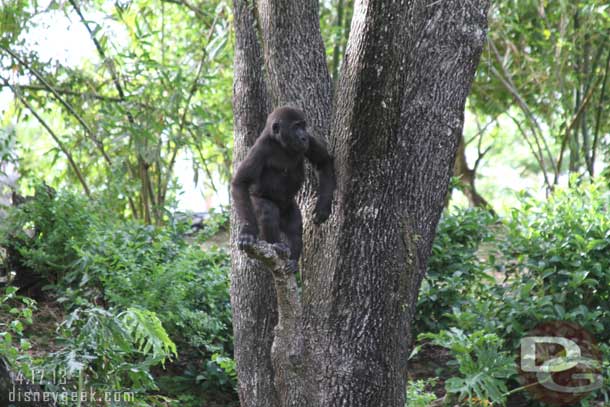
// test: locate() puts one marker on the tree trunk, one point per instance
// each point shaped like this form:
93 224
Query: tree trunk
252 291
393 129
467 178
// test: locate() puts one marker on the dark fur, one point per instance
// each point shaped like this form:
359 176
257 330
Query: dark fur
268 179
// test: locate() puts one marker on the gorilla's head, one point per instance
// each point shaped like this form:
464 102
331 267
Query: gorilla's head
289 128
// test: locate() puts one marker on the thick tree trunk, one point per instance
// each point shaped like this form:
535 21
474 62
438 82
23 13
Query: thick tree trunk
396 121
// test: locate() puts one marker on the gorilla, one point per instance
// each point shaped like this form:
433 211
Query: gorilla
268 179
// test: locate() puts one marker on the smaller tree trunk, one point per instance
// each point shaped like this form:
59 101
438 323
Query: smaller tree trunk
252 289
467 177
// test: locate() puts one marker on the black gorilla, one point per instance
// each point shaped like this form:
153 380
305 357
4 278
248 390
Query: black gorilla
270 176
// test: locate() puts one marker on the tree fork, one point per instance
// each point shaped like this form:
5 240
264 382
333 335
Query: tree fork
393 130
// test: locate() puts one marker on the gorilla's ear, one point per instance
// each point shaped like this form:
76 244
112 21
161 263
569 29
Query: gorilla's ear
275 127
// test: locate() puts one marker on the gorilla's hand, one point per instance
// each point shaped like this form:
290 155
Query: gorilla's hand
320 214
246 238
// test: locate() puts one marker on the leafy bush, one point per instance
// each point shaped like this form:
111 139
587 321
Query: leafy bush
157 270
559 252
417 394
94 257
43 230
554 256
17 312
455 272
484 368
107 351
154 268
550 260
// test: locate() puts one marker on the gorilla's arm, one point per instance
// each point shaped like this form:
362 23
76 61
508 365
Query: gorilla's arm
323 163
247 173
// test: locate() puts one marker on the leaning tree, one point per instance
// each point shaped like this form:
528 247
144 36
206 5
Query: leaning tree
392 122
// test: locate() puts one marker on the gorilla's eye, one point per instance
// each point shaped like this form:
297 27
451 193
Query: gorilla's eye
300 124
276 127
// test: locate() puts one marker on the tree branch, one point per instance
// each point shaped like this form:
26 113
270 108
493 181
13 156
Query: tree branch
84 95
61 146
600 108
71 110
188 5
569 128
183 121
67 105
506 80
539 159
288 349
101 52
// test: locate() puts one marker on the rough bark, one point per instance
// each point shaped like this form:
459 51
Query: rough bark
447 44
359 274
252 290
394 131
295 59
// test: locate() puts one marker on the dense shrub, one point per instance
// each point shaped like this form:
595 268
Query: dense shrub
156 269
418 394
482 365
548 260
18 311
490 280
109 353
44 230
91 257
456 274
558 251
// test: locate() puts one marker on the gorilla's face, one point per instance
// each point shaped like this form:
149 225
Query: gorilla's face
292 135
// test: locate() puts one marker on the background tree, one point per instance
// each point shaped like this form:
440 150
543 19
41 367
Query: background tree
393 123
545 74
122 120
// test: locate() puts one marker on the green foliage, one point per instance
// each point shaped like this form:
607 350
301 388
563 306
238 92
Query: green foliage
147 333
156 269
335 22
152 91
552 254
417 393
455 272
152 272
552 58
561 253
110 351
12 16
483 366
217 221
226 364
16 312
550 260
43 230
